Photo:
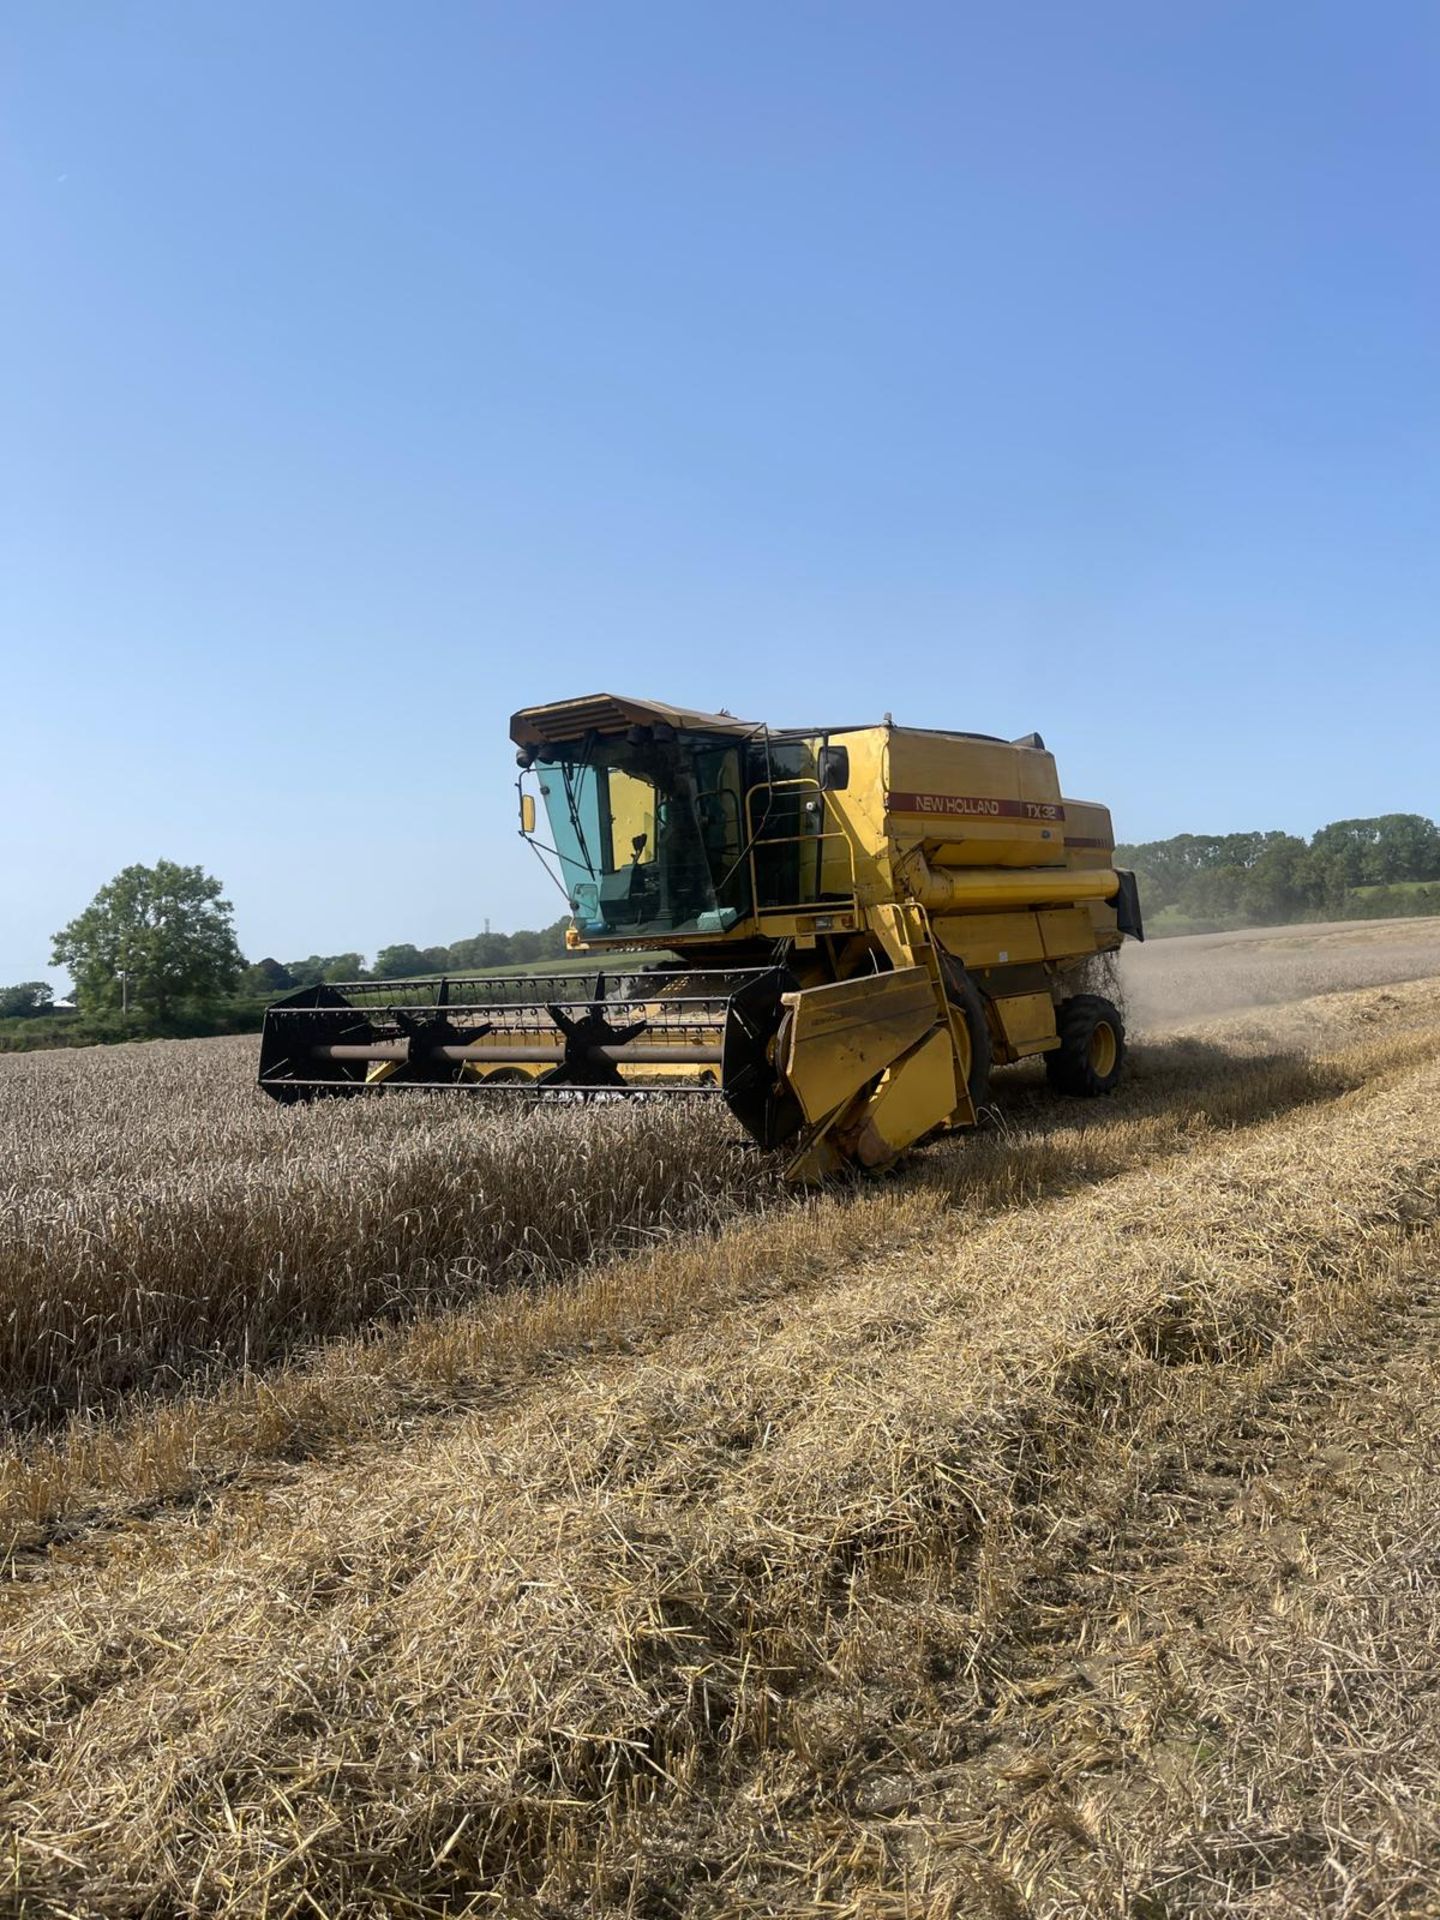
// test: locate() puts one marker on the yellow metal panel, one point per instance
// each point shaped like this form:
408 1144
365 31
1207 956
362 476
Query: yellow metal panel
984 889
986 802
928 761
900 930
839 868
1067 933
991 939
786 926
916 1096
842 1035
1028 1020
1106 923
1089 836
632 815
859 812
991 843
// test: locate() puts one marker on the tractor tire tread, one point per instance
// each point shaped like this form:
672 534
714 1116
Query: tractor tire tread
1070 1066
962 992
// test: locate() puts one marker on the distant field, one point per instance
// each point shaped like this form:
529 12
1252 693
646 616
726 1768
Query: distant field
418 1511
1191 978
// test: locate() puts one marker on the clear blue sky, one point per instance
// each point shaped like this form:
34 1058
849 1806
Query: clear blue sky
371 371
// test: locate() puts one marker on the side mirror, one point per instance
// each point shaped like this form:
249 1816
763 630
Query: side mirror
527 813
834 769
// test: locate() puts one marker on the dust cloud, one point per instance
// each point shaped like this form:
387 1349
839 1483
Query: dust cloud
1171 982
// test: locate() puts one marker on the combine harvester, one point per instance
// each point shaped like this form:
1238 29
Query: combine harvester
863 920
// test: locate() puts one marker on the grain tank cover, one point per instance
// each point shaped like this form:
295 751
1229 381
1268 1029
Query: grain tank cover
974 801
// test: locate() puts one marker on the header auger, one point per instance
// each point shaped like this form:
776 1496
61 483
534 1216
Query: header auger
855 924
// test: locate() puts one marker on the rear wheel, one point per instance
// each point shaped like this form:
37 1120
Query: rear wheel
1091 1052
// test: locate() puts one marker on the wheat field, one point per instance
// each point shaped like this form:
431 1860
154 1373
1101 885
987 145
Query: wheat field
414 1512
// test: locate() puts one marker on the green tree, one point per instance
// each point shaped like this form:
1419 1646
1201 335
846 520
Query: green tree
524 948
265 978
31 996
400 962
1275 887
405 962
1410 847
326 966
481 950
152 938
1251 877
1378 852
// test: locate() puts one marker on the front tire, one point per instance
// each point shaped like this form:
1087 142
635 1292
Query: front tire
1091 1052
968 1001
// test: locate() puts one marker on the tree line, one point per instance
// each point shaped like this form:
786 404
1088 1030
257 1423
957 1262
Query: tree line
478 953
155 952
1350 869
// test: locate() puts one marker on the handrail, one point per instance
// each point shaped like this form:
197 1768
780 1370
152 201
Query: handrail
754 840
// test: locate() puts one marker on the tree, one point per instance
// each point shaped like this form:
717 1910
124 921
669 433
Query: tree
481 950
402 962
524 948
30 997
1274 888
1409 847
1376 853
326 966
151 938
265 978
1251 877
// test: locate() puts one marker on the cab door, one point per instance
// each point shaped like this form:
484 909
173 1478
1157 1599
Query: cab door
787 825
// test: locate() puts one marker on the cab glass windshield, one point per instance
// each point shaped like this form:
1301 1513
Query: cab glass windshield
648 833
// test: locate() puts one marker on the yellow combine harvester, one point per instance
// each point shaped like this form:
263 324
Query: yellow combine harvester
863 921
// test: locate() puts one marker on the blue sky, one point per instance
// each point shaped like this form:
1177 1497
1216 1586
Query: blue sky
371 371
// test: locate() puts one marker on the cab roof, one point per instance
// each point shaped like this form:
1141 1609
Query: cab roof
565 720
612 713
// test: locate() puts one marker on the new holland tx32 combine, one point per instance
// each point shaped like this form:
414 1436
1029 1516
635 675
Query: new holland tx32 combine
857 923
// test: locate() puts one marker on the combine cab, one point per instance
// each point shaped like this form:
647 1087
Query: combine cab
864 920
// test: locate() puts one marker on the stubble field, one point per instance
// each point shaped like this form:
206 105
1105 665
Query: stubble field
415 1512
